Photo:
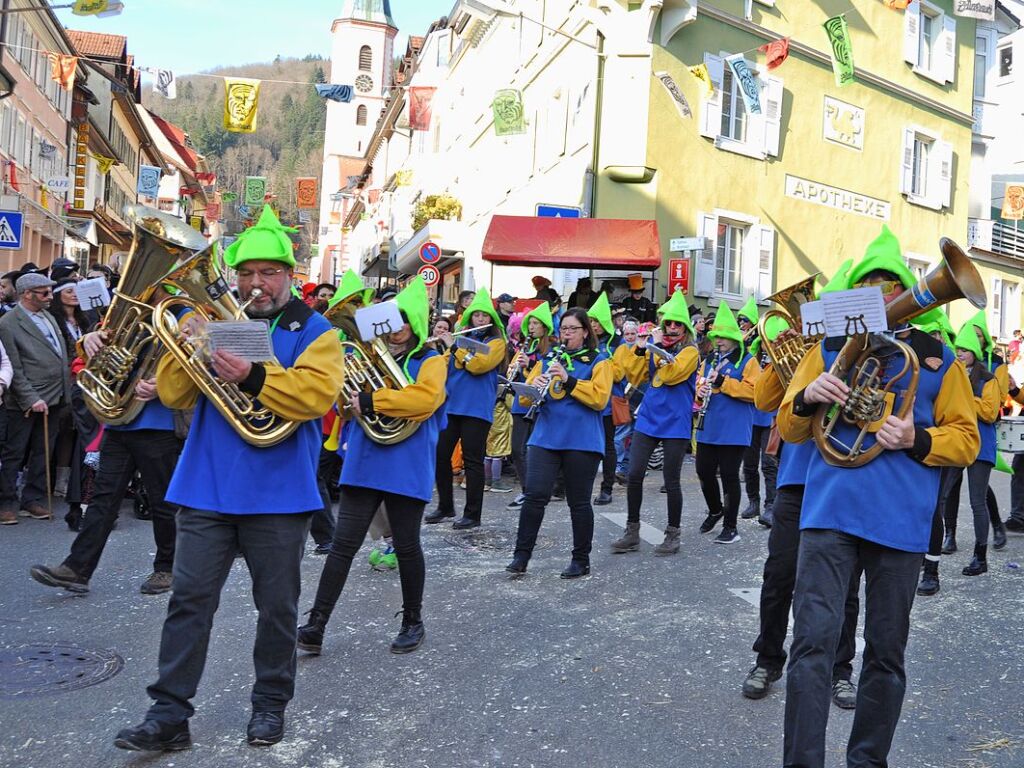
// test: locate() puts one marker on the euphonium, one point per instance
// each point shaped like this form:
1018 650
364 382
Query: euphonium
206 293
130 352
787 351
859 362
369 366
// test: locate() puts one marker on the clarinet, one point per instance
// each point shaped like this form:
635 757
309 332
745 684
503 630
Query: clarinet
531 415
511 372
703 409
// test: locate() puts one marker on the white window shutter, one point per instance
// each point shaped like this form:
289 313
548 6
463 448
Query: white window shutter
704 268
942 152
711 108
911 32
947 50
995 318
907 162
765 261
772 115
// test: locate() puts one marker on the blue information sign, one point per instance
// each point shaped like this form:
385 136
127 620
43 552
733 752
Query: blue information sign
558 211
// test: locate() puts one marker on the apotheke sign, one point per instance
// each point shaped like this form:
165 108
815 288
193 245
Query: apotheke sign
839 199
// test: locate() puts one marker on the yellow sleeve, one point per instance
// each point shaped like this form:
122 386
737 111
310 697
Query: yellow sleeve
420 399
632 364
768 390
478 363
679 370
955 440
743 389
174 386
619 363
595 391
309 388
796 428
538 367
987 406
1002 374
1019 397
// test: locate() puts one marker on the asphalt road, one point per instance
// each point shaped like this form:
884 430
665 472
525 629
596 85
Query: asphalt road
639 664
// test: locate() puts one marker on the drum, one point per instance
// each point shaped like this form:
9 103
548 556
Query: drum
1010 435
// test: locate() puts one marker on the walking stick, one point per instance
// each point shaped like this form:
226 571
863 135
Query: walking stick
46 454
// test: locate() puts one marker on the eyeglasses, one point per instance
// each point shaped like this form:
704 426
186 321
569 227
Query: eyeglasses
565 327
267 274
885 286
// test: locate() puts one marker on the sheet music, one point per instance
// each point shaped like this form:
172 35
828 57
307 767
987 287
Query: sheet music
249 339
378 320
812 317
858 310
92 293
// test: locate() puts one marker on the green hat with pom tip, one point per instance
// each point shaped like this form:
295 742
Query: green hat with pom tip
676 309
749 311
482 303
602 312
980 321
351 283
413 303
266 240
883 253
968 339
542 314
725 326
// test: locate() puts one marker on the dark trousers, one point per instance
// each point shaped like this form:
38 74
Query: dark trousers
977 488
777 591
25 446
356 509
1017 489
578 468
207 542
640 450
322 526
951 502
608 462
521 429
724 460
826 564
752 457
473 433
154 453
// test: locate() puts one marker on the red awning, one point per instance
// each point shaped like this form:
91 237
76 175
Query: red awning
558 242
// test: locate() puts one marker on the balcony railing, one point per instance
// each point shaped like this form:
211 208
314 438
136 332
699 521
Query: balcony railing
997 237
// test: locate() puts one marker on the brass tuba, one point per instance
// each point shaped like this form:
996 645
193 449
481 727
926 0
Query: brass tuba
787 351
205 292
131 352
369 366
859 363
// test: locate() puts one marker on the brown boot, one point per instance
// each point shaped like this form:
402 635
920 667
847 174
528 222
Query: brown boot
8 518
671 543
630 540
35 510
61 576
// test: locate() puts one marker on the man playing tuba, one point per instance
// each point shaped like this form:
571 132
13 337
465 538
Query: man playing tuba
235 496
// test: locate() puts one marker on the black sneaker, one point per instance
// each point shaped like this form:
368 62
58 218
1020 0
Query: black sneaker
465 523
265 728
759 682
753 510
1013 525
323 549
603 498
154 736
727 536
709 523
844 694
517 502
998 536
437 516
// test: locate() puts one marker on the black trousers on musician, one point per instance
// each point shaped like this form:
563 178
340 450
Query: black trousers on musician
154 453
777 591
951 503
640 449
724 460
977 487
473 433
755 456
521 430
1017 489
608 462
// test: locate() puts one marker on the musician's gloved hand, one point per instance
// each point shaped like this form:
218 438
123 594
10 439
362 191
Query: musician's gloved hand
897 434
557 371
719 380
145 390
230 367
826 389
94 342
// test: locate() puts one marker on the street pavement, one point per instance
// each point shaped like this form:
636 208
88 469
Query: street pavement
640 663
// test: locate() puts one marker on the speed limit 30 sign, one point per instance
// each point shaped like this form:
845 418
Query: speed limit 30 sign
430 274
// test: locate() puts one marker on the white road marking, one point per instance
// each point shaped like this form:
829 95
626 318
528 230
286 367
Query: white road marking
752 595
648 533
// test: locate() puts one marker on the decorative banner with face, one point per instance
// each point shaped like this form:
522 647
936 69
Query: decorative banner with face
149 181
241 100
682 105
255 189
305 192
164 84
420 100
509 119
1013 202
750 87
841 48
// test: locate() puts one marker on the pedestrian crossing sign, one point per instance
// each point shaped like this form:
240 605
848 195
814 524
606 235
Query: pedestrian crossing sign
12 226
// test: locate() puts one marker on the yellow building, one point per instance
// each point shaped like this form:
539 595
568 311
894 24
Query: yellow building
809 181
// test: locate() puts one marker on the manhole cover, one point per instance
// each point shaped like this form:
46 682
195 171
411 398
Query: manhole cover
34 670
491 541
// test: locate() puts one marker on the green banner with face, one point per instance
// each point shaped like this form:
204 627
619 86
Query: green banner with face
255 189
509 118
841 49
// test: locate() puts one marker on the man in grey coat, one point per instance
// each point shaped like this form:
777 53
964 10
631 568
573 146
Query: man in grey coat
40 391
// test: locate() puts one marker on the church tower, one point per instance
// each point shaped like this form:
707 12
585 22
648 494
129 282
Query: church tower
362 50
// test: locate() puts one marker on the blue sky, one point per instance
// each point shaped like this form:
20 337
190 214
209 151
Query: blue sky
194 35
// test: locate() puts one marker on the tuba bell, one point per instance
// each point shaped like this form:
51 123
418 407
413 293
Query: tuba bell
369 366
130 353
206 293
860 363
787 351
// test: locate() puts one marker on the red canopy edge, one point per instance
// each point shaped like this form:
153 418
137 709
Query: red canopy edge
559 242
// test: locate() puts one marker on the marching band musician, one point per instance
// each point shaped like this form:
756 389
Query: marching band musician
845 522
238 497
604 331
727 390
665 416
539 327
757 454
784 544
369 479
471 384
567 438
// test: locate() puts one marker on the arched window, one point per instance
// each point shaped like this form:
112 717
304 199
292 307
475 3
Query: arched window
361 114
365 59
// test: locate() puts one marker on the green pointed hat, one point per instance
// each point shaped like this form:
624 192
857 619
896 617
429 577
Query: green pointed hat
675 309
266 240
749 311
839 281
883 253
602 312
968 339
351 283
413 303
773 326
725 326
980 321
482 303
542 313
